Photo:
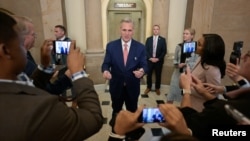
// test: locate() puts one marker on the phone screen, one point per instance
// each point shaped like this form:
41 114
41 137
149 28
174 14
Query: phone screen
189 47
62 47
151 115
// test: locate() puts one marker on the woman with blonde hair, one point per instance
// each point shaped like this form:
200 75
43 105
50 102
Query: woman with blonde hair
179 64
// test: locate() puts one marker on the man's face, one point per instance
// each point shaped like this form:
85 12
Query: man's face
59 33
156 30
245 65
30 37
127 31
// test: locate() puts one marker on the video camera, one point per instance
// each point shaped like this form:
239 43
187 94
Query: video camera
236 53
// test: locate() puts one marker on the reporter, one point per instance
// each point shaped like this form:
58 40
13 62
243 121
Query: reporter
213 114
33 114
239 73
63 81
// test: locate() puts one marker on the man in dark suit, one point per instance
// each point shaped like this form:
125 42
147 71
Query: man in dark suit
124 66
156 50
33 114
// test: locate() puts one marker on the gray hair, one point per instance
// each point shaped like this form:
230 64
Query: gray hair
22 19
127 20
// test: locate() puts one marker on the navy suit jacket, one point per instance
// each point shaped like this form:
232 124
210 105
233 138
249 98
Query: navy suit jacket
161 49
121 74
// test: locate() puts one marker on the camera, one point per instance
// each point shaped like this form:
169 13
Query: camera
236 53
61 47
151 115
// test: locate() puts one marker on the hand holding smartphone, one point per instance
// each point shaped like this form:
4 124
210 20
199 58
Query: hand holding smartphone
151 115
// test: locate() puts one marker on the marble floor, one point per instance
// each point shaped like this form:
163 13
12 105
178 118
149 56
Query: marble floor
153 130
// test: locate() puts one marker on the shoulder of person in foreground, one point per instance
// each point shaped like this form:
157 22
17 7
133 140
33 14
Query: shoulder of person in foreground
89 111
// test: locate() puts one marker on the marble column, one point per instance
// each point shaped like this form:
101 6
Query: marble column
93 26
177 13
75 18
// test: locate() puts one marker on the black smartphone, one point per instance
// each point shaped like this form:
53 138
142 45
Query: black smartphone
189 47
62 47
151 115
236 53
238 116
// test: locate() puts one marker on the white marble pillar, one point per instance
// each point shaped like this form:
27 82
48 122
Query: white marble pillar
75 17
177 13
93 26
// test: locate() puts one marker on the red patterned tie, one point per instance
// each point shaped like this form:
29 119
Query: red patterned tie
125 53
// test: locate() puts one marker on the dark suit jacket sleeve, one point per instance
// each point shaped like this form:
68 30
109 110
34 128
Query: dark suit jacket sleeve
231 88
41 79
59 86
163 48
147 46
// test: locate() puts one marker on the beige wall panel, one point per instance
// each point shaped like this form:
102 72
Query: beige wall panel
202 16
231 19
31 9
161 15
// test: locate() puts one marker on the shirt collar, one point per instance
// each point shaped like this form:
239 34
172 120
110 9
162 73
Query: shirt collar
128 43
63 38
22 79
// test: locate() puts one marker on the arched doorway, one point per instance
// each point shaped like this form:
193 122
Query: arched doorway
119 9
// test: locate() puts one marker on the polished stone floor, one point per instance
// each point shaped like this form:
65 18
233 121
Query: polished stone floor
153 130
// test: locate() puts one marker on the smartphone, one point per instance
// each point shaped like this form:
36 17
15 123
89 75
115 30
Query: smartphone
238 116
236 53
151 115
62 47
189 47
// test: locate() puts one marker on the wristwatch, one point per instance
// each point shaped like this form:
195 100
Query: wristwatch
185 91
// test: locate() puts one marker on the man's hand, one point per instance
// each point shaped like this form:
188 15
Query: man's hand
75 59
139 73
106 75
127 121
232 71
46 52
154 60
174 119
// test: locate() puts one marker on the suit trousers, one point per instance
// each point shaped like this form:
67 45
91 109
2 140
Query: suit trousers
157 68
130 100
